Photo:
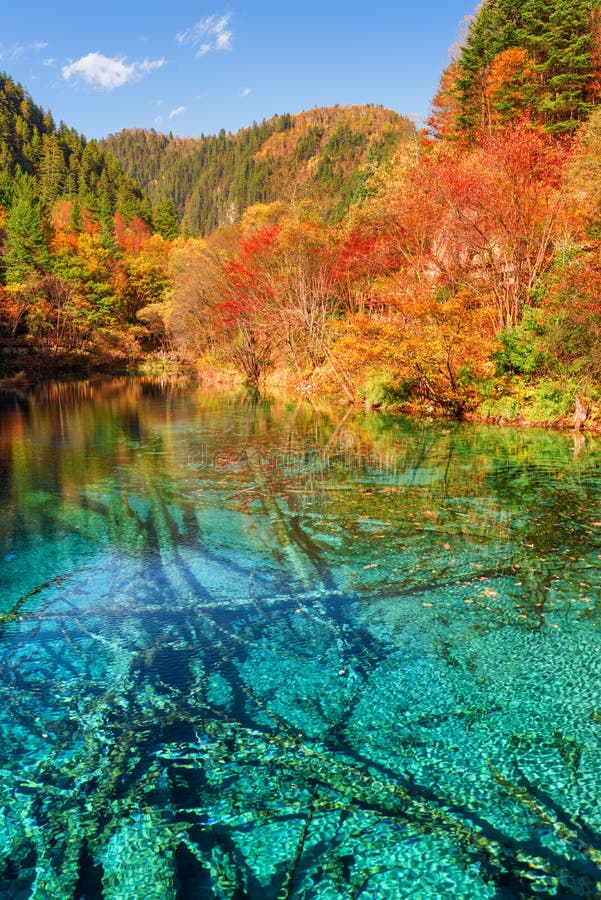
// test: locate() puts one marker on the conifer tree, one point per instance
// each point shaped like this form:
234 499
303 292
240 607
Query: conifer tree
27 255
165 221
555 82
75 220
52 170
107 228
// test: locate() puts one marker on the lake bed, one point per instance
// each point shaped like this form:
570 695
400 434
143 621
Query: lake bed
251 648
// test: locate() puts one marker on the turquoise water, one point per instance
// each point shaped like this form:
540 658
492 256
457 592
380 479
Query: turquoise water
254 649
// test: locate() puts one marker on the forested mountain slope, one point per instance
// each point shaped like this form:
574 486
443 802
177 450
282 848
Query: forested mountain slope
323 155
61 163
341 252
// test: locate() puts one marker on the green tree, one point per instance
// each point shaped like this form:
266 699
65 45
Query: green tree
75 221
107 228
559 41
564 52
52 170
27 255
165 220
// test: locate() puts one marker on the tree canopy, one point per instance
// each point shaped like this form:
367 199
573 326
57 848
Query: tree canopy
538 58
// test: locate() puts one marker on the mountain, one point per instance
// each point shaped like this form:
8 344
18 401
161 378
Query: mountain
61 163
324 155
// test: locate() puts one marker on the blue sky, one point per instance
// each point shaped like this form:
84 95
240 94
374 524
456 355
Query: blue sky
194 68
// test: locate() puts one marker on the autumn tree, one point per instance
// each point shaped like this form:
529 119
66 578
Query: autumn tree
428 349
305 290
499 212
284 277
584 176
145 280
198 275
58 319
450 252
245 316
445 108
510 87
538 58
570 330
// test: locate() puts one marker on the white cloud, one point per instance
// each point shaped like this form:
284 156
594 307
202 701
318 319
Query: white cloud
245 92
17 51
50 61
107 73
178 111
211 33
149 65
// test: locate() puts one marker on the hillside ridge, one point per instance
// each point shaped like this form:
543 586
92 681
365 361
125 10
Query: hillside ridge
323 154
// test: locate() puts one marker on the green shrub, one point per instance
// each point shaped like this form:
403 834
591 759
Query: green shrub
504 408
380 389
548 401
523 349
540 401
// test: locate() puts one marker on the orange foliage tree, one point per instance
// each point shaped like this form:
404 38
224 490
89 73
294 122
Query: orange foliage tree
499 209
245 314
445 106
510 87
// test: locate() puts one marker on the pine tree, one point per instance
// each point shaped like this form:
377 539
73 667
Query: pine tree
52 170
107 228
27 256
562 46
165 221
75 220
490 34
555 82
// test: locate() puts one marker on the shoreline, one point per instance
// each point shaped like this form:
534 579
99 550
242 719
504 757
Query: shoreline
279 382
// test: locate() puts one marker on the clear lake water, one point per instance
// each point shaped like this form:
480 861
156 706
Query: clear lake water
257 649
